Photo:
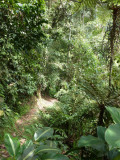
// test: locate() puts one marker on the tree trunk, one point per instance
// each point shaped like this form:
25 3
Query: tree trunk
101 114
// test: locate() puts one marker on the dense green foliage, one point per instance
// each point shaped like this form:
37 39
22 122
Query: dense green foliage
43 147
70 51
20 34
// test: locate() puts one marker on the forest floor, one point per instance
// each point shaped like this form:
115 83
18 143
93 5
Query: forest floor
41 103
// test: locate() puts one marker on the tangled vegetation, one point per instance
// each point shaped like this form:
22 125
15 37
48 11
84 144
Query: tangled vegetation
70 50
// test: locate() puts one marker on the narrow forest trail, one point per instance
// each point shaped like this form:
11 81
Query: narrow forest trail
41 104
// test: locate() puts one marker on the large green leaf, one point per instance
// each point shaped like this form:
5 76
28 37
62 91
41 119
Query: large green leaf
26 145
101 132
112 135
115 113
52 156
90 141
49 143
28 153
12 145
44 133
46 149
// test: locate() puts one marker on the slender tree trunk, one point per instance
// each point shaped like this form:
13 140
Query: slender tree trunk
112 42
101 114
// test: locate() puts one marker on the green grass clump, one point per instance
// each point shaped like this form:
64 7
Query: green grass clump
23 109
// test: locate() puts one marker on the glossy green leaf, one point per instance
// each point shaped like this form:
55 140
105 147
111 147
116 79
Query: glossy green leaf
112 135
52 144
46 149
101 132
28 153
12 145
115 113
53 156
26 145
44 133
90 141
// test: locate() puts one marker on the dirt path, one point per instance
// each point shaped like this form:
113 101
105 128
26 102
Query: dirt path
41 104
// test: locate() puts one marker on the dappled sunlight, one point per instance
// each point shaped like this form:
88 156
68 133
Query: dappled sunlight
40 104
